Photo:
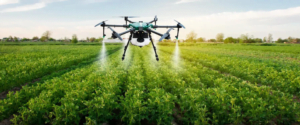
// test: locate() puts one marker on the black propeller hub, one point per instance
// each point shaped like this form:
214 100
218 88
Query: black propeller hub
168 37
113 36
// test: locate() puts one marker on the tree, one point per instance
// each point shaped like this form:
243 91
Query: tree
265 39
35 38
270 38
290 39
257 40
25 39
200 39
52 39
230 40
74 39
10 38
43 39
66 39
212 40
279 40
100 39
16 39
244 38
191 36
87 39
47 35
220 37
297 40
92 39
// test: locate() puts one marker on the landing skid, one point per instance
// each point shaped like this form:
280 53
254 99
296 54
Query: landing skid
153 46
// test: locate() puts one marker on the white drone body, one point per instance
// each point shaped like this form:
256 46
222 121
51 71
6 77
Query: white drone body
135 40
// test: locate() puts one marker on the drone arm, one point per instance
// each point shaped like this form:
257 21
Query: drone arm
130 21
165 26
112 25
115 34
163 36
118 35
130 30
157 33
152 21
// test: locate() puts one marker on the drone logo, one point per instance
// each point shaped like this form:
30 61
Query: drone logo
140 32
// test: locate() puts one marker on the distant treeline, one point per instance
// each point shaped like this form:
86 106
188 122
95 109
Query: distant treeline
191 38
244 38
46 37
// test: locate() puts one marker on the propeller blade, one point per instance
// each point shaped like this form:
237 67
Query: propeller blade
155 19
165 35
100 23
180 24
115 34
129 16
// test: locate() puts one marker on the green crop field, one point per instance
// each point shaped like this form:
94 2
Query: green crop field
195 84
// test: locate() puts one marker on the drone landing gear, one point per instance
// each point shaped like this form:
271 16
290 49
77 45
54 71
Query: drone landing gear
153 47
125 49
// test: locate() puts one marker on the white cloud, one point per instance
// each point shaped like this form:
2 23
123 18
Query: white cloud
29 7
186 1
25 8
51 1
281 23
255 15
4 2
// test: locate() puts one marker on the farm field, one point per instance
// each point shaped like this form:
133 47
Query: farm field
197 84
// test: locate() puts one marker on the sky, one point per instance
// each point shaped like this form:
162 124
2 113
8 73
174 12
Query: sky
258 18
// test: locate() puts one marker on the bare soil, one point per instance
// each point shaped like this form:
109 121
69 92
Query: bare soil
3 95
7 121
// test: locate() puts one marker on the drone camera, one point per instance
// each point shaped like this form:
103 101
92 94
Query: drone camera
140 36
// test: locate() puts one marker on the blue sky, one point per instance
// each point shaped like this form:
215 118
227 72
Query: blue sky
28 18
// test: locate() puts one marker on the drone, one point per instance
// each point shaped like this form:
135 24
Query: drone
140 32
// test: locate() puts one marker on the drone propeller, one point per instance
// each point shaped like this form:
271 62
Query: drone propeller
166 35
179 24
115 34
103 22
155 19
128 16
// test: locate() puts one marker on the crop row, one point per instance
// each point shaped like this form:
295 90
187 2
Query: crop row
225 99
280 57
15 101
141 90
279 77
18 68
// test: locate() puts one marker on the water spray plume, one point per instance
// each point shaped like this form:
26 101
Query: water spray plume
103 54
176 55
